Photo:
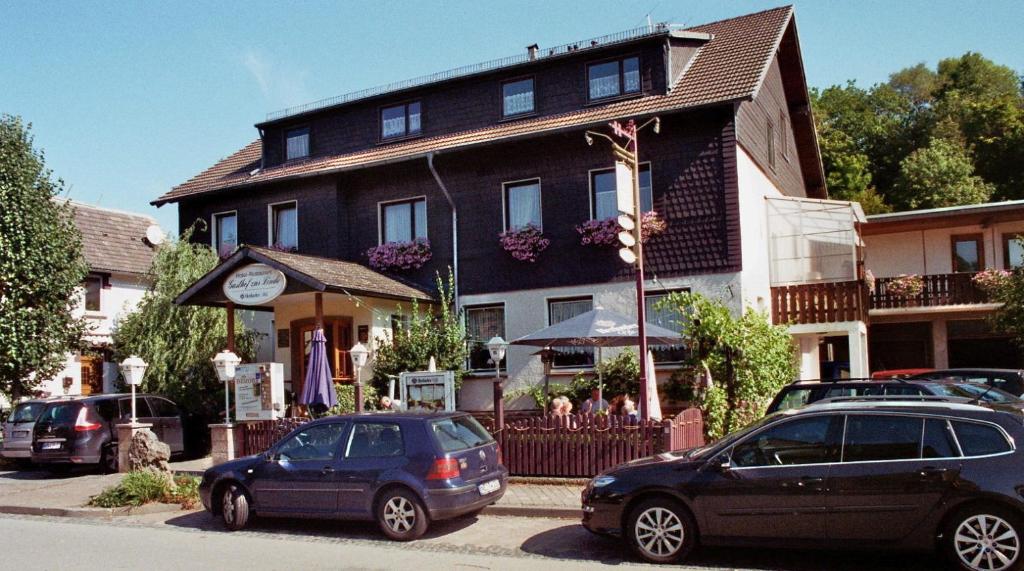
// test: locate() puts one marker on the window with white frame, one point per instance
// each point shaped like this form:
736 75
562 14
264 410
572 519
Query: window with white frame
482 323
403 221
670 318
522 204
560 310
225 233
400 120
296 143
602 192
284 226
93 290
517 97
613 78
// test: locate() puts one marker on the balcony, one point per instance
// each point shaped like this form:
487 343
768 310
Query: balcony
828 302
939 290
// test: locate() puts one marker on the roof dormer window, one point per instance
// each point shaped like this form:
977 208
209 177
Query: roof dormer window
400 121
613 78
296 143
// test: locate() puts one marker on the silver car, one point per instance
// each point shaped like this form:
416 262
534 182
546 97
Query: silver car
17 442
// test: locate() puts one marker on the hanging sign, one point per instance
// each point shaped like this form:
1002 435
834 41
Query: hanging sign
254 284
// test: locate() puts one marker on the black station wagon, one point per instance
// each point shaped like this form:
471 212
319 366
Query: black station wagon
402 470
864 473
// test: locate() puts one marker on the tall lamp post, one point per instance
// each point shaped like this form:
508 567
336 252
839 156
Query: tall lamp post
359 354
497 347
225 363
631 220
133 369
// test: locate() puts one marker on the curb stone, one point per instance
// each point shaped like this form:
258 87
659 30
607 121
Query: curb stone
91 513
534 511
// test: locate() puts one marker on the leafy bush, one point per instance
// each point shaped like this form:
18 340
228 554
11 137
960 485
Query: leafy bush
748 358
146 486
621 375
536 392
347 398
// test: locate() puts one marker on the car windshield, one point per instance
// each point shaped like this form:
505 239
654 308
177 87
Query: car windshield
27 412
459 433
987 393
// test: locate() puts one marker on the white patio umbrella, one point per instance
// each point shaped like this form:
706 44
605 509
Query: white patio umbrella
599 328
653 403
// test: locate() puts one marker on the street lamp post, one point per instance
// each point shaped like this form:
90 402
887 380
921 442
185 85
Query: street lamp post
359 354
225 363
133 369
496 347
631 219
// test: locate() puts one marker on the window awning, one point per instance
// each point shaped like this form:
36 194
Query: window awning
304 273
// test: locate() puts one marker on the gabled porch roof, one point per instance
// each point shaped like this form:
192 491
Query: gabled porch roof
305 273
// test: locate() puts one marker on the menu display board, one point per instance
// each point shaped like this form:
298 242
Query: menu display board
428 391
259 391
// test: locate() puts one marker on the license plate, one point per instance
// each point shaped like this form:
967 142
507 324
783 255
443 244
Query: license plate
20 434
489 487
51 445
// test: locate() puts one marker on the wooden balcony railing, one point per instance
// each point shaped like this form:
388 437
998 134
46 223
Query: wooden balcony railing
820 303
939 290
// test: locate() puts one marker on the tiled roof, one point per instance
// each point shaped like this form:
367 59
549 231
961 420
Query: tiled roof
113 241
730 67
341 275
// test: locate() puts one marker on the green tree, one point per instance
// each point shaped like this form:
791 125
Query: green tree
41 266
938 175
748 358
439 334
178 341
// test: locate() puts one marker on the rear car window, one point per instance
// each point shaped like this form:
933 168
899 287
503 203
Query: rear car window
979 439
937 442
375 440
141 408
459 433
59 413
27 412
872 438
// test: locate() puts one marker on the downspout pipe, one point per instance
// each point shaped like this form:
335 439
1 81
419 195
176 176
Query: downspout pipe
455 225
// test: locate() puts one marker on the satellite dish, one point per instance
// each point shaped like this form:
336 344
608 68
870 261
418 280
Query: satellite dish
154 235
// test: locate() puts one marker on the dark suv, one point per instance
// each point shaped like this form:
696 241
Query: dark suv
800 393
83 430
402 470
847 473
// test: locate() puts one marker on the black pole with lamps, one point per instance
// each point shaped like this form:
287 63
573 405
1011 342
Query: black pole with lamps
631 220
496 347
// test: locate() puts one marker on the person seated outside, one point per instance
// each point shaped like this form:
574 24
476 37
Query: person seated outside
388 405
629 409
556 406
594 404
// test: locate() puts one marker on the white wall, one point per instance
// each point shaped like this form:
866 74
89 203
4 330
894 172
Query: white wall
930 251
754 187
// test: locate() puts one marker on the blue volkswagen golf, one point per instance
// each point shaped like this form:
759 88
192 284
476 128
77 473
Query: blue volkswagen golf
402 470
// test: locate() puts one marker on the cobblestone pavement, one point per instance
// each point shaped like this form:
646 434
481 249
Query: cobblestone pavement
542 495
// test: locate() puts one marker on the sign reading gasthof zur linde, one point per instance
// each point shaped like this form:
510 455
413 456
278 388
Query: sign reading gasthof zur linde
254 284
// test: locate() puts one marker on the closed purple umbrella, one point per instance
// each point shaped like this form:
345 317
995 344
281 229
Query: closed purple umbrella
319 386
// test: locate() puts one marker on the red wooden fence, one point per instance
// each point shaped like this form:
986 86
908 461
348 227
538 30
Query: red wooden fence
584 445
260 435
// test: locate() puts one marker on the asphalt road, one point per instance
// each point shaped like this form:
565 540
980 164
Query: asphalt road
194 540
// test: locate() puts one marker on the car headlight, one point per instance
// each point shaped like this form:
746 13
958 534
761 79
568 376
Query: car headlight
601 481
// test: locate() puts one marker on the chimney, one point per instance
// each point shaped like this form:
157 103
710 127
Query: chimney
532 51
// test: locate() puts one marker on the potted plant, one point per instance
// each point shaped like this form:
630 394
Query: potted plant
905 286
525 243
604 232
991 280
397 256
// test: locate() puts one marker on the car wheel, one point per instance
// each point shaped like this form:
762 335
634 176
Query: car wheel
661 531
400 515
109 460
986 538
234 507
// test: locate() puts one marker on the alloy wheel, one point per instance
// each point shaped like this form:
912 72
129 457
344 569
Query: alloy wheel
659 532
985 542
399 514
227 506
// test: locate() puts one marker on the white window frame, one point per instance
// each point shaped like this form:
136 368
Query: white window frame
380 216
271 220
590 186
547 321
486 305
504 200
213 228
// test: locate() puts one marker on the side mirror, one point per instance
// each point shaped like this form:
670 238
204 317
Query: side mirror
269 456
722 462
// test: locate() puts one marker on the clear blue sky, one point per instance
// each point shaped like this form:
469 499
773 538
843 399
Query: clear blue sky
131 98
